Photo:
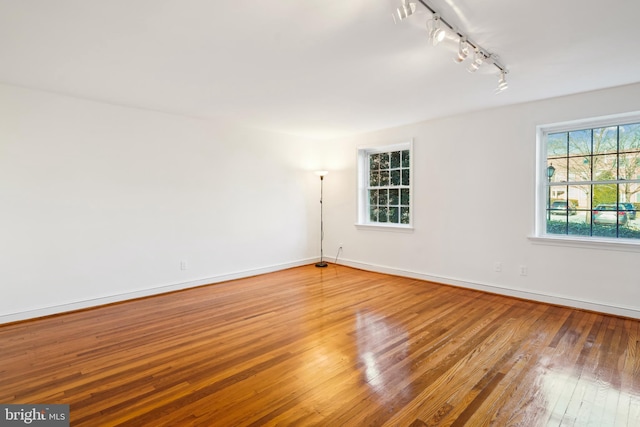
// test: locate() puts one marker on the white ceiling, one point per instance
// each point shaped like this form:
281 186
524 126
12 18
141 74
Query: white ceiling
318 68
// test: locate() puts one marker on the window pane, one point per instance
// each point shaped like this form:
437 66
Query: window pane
383 197
579 142
605 140
395 159
628 191
605 167
604 194
630 137
560 166
580 197
404 215
580 168
405 177
559 204
374 162
629 165
404 196
382 215
557 145
374 179
373 197
395 177
393 215
373 214
384 178
384 161
405 159
559 194
394 198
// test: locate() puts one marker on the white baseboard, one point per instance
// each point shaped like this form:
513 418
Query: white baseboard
494 289
79 305
533 296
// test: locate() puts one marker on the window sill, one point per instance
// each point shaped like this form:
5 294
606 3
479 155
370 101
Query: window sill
626 245
387 227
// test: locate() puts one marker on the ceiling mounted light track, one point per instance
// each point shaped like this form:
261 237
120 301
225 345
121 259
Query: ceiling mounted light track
438 28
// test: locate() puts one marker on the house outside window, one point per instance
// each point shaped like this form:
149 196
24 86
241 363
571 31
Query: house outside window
385 186
589 175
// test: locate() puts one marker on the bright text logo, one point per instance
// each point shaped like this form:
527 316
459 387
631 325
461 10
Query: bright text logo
36 415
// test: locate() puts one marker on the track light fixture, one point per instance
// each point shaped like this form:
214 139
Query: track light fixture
502 82
463 50
438 28
478 60
405 10
436 32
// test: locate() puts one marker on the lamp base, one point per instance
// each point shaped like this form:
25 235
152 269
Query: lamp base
321 264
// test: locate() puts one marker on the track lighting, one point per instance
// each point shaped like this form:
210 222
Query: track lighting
478 60
438 28
436 33
502 82
405 10
463 50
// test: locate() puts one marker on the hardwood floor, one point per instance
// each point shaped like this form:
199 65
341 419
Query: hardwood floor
331 347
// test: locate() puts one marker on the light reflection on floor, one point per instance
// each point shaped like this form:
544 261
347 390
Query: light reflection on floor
581 401
373 333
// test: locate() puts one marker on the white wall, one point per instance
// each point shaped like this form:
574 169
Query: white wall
474 195
100 203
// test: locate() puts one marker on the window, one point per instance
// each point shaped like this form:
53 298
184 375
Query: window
385 186
590 178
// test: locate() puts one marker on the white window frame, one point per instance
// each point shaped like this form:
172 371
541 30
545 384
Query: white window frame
362 220
542 185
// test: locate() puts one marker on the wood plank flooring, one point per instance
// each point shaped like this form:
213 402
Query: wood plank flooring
329 347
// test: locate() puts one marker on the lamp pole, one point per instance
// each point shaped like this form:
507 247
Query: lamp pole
550 171
321 174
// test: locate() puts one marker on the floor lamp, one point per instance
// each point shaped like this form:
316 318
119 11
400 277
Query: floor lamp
321 174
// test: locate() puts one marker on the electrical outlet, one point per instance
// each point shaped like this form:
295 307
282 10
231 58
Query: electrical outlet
183 265
523 270
340 245
497 267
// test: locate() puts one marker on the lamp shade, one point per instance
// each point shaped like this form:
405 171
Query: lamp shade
322 173
550 171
